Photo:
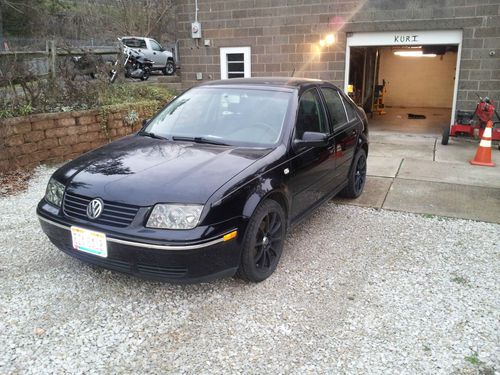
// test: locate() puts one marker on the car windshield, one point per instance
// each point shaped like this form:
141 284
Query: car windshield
233 116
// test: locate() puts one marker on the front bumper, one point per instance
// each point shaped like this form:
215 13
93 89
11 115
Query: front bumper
182 263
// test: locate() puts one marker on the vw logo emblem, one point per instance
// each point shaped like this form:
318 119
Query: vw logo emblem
94 209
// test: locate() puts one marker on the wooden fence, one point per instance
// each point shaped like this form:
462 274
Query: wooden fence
43 62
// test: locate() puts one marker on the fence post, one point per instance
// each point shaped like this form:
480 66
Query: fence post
52 58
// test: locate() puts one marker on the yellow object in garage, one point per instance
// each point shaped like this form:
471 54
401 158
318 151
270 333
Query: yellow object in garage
378 98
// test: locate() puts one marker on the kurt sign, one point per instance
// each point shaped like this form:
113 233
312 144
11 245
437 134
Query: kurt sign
405 38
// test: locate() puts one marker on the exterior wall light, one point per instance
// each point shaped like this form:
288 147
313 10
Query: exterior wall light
328 41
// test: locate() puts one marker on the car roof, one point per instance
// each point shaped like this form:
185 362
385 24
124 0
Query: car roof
135 37
292 82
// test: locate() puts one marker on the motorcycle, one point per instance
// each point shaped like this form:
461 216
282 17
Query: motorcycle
135 65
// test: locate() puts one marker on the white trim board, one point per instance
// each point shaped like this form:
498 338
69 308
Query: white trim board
247 64
406 38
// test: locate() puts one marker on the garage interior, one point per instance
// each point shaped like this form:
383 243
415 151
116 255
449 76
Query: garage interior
407 89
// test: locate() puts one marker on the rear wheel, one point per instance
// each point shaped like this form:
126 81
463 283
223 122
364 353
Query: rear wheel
446 136
357 176
263 242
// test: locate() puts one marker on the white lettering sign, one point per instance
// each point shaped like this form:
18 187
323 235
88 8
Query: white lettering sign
405 38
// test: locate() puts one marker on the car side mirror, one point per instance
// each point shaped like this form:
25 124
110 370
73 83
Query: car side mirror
311 139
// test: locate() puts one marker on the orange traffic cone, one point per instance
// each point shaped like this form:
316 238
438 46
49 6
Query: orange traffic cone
483 154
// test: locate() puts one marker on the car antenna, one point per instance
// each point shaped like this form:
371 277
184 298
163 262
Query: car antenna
293 71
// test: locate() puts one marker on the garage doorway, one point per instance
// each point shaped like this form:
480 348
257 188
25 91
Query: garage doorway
406 81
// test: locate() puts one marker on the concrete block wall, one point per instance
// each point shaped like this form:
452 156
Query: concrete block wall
283 35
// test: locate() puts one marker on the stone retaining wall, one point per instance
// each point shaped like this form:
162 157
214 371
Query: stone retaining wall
55 137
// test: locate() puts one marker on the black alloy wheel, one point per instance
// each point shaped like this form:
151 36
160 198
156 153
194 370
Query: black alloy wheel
268 238
357 176
263 242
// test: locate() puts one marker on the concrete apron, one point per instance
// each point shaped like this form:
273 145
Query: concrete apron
415 173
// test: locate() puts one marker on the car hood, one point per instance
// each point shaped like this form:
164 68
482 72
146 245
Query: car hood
143 171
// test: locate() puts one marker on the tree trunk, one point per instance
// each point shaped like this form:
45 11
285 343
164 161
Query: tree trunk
1 30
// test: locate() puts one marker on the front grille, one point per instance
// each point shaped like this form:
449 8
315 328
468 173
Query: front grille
171 272
113 214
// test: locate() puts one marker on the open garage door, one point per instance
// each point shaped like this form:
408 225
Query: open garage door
398 77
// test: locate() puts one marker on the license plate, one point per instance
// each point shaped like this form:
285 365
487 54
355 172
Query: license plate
89 241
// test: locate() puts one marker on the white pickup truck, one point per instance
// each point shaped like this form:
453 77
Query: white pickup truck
162 59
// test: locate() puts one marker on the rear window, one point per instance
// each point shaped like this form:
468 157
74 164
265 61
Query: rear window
134 43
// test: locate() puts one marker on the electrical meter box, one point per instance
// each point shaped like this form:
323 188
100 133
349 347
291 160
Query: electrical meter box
196 30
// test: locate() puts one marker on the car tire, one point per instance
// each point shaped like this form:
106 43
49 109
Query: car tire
446 136
357 176
169 69
263 242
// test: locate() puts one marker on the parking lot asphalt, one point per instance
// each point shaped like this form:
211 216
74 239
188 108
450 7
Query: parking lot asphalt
415 173
358 291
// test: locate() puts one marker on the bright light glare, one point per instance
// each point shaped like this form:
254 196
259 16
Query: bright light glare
321 43
414 54
330 39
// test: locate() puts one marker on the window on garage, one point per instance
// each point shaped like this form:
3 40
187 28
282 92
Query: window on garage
235 62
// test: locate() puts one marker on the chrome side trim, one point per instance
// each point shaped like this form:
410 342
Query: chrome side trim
143 244
166 247
54 223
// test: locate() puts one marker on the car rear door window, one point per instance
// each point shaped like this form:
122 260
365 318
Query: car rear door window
310 115
349 107
134 43
335 106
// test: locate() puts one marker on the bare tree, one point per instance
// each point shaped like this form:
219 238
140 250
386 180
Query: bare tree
85 19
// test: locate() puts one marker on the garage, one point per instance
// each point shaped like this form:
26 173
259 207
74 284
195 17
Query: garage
407 81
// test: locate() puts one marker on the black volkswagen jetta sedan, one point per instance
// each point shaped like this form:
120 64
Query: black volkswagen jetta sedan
211 184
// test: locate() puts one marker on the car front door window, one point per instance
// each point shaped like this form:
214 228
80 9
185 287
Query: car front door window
155 46
310 116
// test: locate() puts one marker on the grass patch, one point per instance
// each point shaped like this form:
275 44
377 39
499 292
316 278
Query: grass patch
129 93
474 359
438 218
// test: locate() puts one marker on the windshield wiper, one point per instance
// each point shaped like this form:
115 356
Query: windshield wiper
199 140
152 135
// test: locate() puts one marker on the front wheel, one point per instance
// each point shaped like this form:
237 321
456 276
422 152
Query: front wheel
263 242
169 68
357 176
145 75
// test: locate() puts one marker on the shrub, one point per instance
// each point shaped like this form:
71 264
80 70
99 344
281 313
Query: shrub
22 93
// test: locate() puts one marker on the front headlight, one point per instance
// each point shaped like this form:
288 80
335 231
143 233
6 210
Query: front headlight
54 192
175 216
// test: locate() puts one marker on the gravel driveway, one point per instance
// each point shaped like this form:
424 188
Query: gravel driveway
358 291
